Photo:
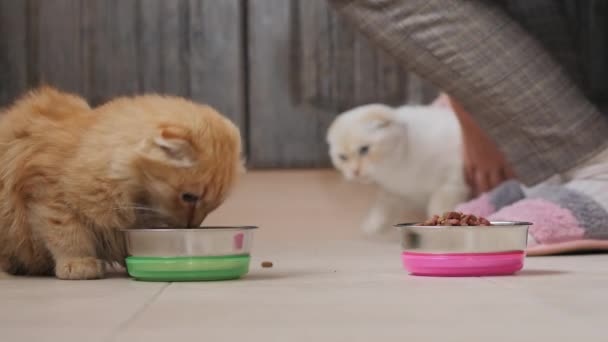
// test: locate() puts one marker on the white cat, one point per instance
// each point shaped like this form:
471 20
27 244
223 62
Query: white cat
413 153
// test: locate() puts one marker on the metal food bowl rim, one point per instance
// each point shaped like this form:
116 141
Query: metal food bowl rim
195 229
501 224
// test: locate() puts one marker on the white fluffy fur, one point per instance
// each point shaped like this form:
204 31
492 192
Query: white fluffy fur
414 156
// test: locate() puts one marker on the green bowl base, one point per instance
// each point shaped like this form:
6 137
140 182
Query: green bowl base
173 269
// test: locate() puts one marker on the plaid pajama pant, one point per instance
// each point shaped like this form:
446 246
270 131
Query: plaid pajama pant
526 96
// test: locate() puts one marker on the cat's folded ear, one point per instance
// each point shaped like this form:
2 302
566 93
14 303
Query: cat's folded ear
380 123
385 122
380 117
172 145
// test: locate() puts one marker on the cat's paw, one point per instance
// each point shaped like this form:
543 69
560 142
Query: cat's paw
79 268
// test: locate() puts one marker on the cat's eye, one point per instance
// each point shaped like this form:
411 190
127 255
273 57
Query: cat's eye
363 150
343 157
189 197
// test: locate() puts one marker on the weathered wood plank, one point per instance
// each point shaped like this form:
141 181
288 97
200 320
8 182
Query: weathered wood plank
281 133
113 48
163 46
149 21
60 50
175 44
216 58
193 48
13 50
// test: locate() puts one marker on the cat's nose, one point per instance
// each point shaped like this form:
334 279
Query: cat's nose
190 198
357 172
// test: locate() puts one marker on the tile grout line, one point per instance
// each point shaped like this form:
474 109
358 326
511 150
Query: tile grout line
137 313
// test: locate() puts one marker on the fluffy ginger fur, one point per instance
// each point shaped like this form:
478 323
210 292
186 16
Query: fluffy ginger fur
413 154
71 176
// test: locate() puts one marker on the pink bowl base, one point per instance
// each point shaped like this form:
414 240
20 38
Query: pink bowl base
463 264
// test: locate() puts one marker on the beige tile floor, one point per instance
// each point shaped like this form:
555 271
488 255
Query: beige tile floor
328 284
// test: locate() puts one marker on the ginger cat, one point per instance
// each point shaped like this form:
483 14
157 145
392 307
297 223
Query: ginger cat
71 176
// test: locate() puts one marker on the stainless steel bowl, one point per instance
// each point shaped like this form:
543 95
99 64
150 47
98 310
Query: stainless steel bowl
203 241
500 237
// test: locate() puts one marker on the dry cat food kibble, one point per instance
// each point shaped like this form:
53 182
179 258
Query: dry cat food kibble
267 264
454 218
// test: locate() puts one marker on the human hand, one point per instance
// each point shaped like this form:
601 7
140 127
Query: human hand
485 166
